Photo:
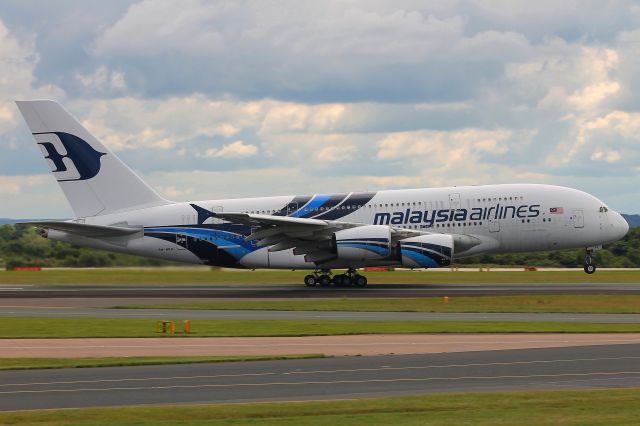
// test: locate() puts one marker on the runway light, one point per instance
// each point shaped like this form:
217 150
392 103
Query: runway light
186 326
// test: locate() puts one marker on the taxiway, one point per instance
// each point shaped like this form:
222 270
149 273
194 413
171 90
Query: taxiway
606 366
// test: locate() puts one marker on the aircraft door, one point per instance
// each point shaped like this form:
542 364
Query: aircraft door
494 225
578 218
292 208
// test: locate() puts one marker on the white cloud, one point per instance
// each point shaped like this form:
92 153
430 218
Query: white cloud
145 29
282 117
237 149
134 123
335 154
437 145
395 181
32 196
6 114
14 185
172 192
606 156
18 59
362 93
103 80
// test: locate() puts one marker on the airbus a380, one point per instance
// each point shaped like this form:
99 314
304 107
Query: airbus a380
415 228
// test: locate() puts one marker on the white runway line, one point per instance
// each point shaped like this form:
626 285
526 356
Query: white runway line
327 382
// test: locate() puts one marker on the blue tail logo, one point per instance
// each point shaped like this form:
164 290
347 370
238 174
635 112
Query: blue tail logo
85 159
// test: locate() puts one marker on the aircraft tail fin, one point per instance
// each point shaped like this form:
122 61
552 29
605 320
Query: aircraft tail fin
94 180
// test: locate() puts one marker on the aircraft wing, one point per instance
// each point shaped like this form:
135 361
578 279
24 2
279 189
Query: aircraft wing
84 229
310 237
266 220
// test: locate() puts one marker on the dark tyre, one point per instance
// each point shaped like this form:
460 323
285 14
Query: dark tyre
341 280
310 281
360 281
590 268
325 281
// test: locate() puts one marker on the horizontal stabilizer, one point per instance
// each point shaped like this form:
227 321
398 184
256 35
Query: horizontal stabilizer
85 230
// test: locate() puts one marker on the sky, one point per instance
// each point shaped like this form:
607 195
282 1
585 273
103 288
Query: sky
226 99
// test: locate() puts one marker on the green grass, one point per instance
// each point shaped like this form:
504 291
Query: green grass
33 363
22 327
628 304
203 276
581 407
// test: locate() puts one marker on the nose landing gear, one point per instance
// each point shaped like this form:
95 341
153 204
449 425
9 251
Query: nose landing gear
589 266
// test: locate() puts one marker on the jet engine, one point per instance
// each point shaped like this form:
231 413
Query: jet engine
363 243
427 251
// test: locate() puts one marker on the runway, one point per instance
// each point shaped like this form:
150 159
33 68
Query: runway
299 291
611 366
256 315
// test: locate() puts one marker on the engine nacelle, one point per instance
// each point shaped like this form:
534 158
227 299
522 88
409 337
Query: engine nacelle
363 243
427 251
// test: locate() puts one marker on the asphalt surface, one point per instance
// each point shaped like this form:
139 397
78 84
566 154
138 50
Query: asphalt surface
299 291
194 314
611 366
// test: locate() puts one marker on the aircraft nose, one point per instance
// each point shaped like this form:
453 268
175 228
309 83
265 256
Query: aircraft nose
619 225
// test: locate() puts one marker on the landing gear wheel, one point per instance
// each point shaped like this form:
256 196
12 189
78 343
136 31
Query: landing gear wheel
341 280
346 281
360 281
310 280
589 266
324 280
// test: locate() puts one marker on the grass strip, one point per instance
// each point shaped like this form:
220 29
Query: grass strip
27 327
610 304
203 276
574 407
49 363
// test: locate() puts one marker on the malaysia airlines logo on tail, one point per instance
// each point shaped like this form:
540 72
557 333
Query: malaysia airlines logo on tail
79 160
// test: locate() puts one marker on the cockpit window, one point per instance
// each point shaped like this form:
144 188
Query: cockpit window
603 209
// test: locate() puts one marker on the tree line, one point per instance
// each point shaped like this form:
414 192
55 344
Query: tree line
21 245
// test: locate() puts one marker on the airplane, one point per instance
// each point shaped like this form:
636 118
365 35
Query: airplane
116 210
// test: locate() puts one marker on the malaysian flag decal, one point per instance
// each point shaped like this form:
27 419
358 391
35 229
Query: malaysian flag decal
556 210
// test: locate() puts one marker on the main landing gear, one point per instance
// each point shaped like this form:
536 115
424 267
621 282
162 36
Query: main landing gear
589 266
324 279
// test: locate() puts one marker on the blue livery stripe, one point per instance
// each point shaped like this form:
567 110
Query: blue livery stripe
234 244
422 260
315 202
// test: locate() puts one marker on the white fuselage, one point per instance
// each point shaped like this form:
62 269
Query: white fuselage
502 218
